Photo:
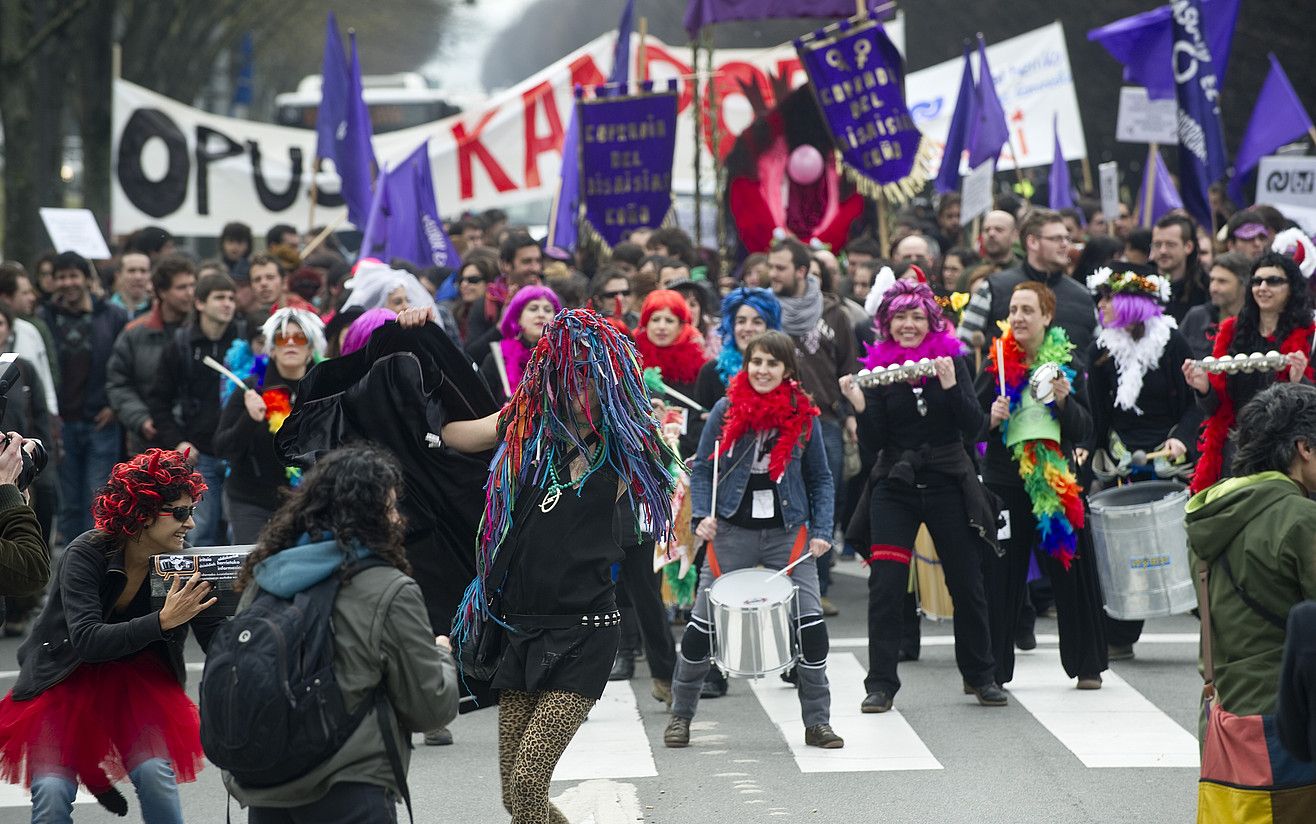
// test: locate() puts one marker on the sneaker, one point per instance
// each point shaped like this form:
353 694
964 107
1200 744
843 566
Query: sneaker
875 702
823 737
1119 652
677 734
991 695
623 667
662 691
829 609
441 737
1089 682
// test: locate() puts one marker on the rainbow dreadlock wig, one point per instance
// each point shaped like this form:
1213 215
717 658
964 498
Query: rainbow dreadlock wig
730 359
580 356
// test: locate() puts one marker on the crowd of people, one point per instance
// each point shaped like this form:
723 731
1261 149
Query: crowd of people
650 396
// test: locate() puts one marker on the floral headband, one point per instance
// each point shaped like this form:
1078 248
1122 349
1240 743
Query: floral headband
1129 283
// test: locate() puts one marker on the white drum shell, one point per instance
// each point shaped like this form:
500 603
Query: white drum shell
1142 550
753 624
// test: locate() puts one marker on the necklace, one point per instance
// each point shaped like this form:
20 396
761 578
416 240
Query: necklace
555 487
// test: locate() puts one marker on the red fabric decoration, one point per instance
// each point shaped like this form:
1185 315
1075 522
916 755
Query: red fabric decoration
137 489
787 409
1215 431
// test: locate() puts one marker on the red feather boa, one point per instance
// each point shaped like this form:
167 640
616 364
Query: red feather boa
1215 431
786 409
680 361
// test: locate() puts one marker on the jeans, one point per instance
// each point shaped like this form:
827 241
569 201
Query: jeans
245 521
89 455
348 802
157 793
210 510
834 442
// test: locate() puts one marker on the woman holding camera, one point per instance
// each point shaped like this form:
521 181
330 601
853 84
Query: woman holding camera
99 642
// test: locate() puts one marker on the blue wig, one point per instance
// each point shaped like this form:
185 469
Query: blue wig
729 360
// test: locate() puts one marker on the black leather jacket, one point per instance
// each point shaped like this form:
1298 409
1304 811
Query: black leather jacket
72 628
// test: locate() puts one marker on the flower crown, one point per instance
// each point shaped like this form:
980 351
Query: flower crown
1129 283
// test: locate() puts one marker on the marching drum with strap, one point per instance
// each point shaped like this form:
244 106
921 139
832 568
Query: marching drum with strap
753 628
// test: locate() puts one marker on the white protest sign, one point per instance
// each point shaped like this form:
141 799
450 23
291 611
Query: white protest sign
1109 175
75 230
976 192
1143 120
1289 183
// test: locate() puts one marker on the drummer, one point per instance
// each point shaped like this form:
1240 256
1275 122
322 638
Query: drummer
773 507
1141 405
922 429
1034 424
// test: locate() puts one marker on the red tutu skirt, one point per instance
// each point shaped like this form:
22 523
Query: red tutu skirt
99 723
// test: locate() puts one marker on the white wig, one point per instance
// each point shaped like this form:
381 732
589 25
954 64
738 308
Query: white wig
375 281
310 325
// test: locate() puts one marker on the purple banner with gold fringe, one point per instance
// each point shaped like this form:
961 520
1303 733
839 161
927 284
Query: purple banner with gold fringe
858 78
626 150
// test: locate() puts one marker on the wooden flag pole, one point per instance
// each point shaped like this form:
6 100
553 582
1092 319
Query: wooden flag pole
1087 178
1148 184
642 66
324 233
315 193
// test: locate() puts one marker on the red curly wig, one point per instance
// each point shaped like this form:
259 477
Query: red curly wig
138 488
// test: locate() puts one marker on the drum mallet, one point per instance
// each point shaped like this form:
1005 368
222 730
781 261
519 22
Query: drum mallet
1000 364
806 556
712 507
1141 458
221 369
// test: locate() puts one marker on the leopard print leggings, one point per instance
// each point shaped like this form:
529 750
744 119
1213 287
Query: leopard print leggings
534 730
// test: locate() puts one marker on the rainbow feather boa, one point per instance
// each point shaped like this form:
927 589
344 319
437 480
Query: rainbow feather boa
1048 479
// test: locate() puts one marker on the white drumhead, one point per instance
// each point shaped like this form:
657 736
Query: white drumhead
749 588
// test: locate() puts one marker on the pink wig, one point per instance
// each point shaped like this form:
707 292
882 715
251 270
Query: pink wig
510 325
1131 309
358 334
903 296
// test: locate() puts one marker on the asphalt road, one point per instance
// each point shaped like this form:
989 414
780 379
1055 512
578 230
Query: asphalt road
1122 754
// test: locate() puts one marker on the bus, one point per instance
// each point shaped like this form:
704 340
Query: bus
395 101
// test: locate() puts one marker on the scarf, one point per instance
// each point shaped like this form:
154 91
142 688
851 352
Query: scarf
679 361
515 357
1215 432
888 352
799 315
1134 358
786 409
1048 480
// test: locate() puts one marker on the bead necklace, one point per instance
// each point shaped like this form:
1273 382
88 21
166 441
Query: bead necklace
555 487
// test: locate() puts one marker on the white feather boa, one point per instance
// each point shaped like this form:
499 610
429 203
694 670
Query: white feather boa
1133 358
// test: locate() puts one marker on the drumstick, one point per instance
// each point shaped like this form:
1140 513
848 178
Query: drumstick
1000 364
790 566
1141 458
496 349
223 370
717 447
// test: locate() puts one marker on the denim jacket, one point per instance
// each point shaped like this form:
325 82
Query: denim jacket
806 491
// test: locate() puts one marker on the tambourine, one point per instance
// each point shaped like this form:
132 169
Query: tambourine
1271 361
885 375
1041 384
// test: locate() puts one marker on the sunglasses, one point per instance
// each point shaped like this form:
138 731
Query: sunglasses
180 513
624 293
1273 281
472 279
294 339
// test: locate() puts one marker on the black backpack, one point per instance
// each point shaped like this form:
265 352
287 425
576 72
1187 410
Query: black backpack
271 708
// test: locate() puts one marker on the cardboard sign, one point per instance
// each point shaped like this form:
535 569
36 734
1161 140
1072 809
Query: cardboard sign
219 565
1143 120
1289 183
1109 175
976 192
75 230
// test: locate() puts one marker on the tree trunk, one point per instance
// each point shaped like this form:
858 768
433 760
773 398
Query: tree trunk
95 93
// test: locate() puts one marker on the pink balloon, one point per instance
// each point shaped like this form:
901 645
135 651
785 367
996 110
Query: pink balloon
805 165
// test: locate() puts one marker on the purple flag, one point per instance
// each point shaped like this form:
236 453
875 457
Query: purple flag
1143 44
1277 118
1202 159
948 176
988 131
699 13
1058 181
404 219
354 157
562 229
333 92
1162 197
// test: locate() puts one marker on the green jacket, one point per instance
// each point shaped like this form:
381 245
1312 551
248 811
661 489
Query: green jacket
24 557
1266 526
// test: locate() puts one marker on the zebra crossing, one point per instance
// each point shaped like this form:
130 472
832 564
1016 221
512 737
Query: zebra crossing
1114 727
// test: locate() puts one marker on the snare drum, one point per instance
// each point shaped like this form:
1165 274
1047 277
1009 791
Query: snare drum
753 628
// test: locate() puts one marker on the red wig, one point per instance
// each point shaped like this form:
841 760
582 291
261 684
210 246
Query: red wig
668 299
138 488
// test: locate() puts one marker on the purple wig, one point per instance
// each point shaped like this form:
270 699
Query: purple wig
903 296
1131 309
510 325
358 334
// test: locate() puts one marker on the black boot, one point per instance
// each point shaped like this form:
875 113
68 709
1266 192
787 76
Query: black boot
623 666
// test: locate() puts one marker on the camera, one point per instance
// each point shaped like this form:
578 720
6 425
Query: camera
34 462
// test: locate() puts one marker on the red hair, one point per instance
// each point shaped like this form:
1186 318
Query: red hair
138 488
668 299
